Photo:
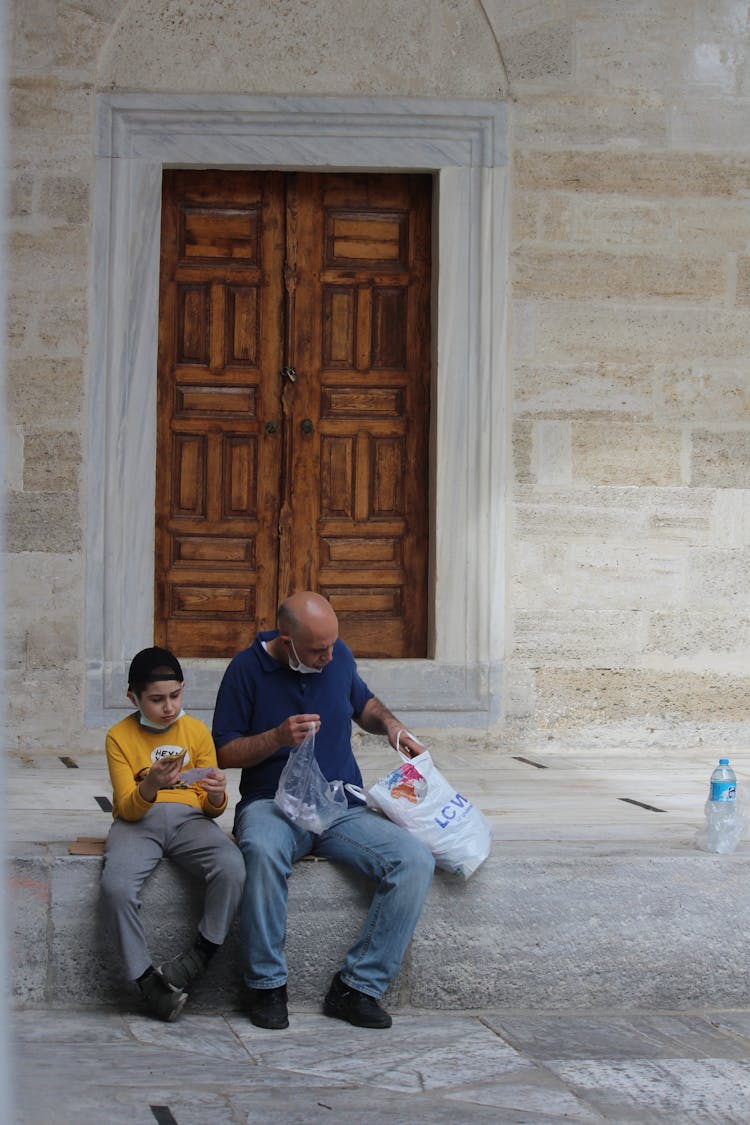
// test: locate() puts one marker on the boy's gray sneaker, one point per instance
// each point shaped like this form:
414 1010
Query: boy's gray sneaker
165 1003
181 971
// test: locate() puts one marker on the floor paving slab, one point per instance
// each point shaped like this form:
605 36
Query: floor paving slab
624 1036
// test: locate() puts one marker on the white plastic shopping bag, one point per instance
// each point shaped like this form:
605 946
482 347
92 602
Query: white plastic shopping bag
304 795
418 797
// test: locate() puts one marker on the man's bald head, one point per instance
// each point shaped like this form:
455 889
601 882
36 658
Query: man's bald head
308 628
305 610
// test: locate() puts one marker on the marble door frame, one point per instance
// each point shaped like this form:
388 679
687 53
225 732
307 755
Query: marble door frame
464 144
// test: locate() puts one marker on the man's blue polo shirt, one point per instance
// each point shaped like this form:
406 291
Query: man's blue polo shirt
258 693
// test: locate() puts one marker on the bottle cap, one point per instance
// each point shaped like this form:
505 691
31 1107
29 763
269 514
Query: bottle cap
723 761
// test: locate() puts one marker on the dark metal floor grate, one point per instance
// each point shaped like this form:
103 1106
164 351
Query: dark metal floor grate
163 1114
640 804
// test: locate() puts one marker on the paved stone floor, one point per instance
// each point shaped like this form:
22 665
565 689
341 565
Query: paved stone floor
98 1067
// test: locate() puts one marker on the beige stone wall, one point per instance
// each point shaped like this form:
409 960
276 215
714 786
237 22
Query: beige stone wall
630 560
628 567
53 49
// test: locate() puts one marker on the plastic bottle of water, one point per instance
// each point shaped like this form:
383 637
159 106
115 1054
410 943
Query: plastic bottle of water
724 824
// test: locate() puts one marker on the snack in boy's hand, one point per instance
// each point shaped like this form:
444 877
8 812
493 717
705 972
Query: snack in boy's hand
171 753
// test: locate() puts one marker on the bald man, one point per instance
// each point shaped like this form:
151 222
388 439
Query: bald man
301 674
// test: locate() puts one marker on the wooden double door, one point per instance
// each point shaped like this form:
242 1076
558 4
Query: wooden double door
293 406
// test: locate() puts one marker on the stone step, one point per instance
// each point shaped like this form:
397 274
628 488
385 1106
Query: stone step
541 928
587 901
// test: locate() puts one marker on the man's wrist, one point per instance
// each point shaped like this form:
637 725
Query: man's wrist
392 728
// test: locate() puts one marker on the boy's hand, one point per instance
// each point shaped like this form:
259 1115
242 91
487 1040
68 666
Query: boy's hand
164 774
215 784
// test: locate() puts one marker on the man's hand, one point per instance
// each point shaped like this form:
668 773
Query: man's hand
254 748
294 730
405 741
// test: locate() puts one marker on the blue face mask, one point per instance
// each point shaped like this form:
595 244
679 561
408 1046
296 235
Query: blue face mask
296 664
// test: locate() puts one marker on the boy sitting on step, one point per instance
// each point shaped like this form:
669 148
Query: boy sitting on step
167 793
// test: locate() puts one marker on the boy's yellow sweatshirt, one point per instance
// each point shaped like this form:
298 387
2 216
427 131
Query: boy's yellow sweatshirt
132 750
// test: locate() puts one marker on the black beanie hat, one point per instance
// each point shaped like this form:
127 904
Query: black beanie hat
152 664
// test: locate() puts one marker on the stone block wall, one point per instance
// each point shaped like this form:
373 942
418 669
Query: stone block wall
52 62
628 511
629 546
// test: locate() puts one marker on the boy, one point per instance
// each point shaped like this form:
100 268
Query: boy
167 790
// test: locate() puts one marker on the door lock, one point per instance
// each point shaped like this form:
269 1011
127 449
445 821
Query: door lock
272 427
307 426
289 373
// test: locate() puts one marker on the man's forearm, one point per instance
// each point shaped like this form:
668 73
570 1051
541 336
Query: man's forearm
375 718
249 750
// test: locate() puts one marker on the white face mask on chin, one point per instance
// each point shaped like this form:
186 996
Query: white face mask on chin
296 664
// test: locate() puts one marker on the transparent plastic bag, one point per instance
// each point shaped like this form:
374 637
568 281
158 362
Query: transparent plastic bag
418 797
725 825
304 795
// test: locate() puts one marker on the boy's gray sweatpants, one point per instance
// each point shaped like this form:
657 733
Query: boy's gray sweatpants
195 842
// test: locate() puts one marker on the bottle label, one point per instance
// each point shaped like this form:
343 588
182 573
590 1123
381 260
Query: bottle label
723 791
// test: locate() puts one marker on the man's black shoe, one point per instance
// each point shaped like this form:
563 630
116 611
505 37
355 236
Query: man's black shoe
345 1003
266 1007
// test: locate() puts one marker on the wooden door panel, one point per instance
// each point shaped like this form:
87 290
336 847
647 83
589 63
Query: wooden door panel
241 334
341 402
189 475
212 401
211 549
386 483
389 328
374 238
193 320
219 232
340 313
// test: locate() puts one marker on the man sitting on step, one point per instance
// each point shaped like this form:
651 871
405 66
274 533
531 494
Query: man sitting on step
289 679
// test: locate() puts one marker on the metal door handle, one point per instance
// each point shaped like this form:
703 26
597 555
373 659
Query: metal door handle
307 426
289 373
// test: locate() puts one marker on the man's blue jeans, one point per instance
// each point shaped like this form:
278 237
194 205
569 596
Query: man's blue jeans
401 866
